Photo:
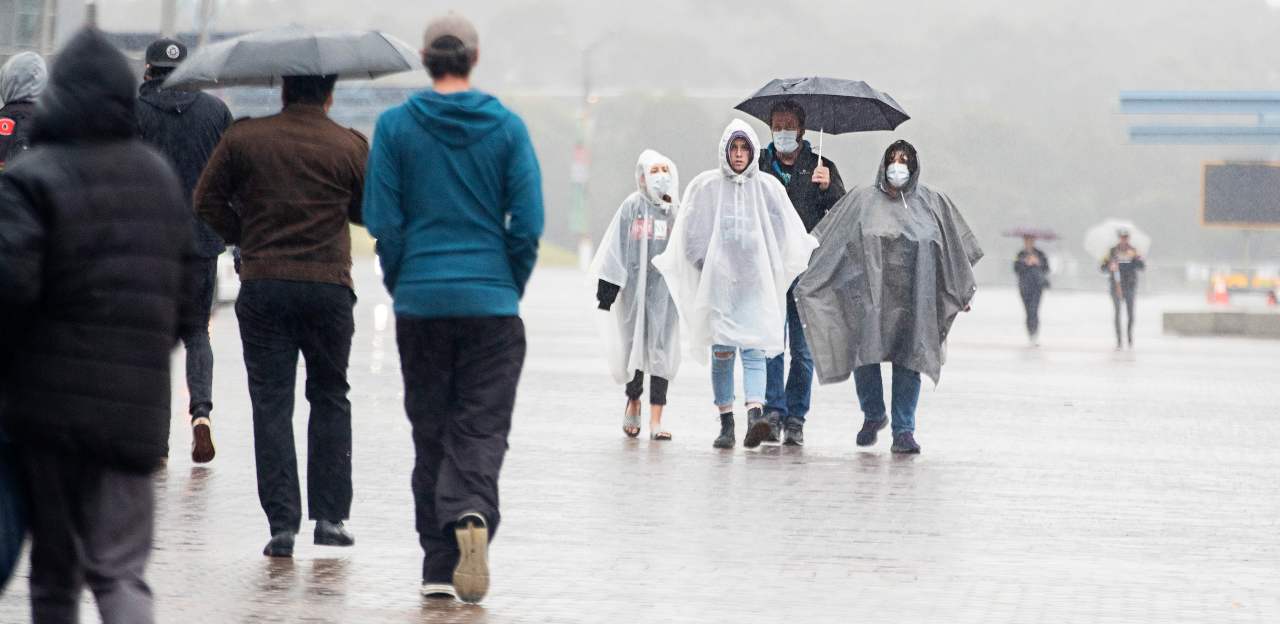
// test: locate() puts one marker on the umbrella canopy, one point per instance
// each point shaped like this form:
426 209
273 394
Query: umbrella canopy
1099 239
263 58
1033 232
831 105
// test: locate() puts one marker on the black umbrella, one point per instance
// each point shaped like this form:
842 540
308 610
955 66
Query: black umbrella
831 105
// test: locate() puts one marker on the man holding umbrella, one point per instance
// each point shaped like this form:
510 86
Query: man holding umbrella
814 186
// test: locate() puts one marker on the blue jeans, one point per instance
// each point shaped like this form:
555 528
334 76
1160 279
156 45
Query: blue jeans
791 400
906 392
722 358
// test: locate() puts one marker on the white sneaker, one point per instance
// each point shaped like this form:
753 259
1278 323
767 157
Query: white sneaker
438 590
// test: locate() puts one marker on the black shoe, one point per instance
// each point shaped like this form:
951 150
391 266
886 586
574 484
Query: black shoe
333 534
775 427
726 439
757 428
471 577
905 443
281 545
867 436
795 435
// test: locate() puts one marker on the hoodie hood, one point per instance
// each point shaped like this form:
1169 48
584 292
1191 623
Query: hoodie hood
172 101
90 95
458 119
913 165
648 159
23 78
739 128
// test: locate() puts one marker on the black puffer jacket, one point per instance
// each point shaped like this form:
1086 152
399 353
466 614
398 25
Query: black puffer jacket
185 126
92 253
15 130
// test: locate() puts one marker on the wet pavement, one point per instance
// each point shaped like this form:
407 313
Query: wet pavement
1068 483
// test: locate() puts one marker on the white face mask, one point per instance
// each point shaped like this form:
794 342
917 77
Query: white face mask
898 175
659 184
786 141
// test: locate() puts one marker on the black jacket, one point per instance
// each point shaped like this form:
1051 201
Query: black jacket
91 261
1031 278
811 202
16 123
186 127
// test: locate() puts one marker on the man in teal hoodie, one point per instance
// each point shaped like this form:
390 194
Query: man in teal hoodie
453 195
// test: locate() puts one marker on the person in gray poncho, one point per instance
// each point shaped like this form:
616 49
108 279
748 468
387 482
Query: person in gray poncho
22 80
894 268
641 331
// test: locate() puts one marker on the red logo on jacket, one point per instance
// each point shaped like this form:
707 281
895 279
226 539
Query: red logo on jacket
6 126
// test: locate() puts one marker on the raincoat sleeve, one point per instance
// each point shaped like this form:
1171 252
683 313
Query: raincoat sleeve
695 230
216 190
609 268
523 192
960 253
383 212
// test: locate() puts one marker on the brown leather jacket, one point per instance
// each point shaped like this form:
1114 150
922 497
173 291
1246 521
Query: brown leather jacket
284 188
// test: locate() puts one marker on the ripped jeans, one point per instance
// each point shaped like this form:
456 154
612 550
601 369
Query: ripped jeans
753 374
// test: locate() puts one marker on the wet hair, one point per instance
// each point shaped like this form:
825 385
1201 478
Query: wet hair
913 163
314 90
447 56
788 107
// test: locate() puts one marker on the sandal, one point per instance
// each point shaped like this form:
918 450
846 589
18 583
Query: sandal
661 436
630 422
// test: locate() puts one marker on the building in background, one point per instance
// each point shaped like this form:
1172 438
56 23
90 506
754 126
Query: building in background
38 25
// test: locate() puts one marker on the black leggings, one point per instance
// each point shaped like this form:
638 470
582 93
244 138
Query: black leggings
657 388
1128 300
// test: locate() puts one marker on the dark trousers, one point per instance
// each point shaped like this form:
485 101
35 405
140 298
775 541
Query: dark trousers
279 320
203 277
1129 297
460 377
90 524
791 399
657 388
1031 303
906 394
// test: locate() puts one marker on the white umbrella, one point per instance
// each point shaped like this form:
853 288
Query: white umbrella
1099 239
263 58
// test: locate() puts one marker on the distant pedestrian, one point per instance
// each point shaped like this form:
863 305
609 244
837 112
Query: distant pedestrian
643 332
186 127
1032 269
454 198
93 241
813 184
894 270
739 244
286 188
1121 265
22 79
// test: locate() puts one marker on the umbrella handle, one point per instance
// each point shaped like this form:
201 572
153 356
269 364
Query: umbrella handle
819 147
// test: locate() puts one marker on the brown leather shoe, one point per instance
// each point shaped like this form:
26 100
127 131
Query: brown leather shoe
202 450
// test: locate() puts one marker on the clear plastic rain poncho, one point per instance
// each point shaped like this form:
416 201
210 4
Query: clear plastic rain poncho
22 78
739 244
641 328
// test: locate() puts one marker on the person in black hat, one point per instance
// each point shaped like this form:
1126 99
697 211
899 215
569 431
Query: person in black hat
186 126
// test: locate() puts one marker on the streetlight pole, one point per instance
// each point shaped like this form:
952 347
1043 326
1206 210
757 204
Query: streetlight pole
580 170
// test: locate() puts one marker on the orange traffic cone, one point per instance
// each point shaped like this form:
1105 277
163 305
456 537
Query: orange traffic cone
1271 298
1219 295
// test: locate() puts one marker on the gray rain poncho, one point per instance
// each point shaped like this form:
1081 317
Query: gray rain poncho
889 279
739 244
23 78
641 328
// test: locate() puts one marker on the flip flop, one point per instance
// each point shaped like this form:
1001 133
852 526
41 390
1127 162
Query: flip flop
630 422
661 436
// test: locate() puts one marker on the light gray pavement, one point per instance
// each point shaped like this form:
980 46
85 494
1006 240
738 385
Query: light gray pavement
1067 483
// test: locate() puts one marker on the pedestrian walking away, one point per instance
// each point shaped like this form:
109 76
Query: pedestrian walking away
286 188
641 327
1032 268
454 199
813 184
22 79
92 258
739 244
1121 265
186 127
894 270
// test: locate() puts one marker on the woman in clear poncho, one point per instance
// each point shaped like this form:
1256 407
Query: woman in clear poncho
641 328
738 246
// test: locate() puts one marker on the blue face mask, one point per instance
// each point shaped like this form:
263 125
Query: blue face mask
786 141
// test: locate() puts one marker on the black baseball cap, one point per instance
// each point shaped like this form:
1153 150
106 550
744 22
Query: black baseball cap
166 53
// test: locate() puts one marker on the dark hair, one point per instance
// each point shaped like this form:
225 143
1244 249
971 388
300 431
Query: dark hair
308 89
156 73
447 56
913 163
787 106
